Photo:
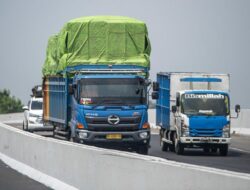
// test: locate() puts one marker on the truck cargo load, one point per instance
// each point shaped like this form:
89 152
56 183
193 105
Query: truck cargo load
51 62
108 40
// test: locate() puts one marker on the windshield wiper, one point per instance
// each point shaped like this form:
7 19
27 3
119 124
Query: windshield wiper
190 112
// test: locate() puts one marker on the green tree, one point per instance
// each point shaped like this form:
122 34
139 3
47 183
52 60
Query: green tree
9 104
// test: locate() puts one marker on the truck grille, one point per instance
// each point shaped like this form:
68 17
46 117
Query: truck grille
206 132
101 124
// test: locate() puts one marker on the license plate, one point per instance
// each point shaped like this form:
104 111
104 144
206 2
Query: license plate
205 139
114 136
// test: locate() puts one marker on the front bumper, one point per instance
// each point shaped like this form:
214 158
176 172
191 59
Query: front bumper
205 140
35 125
39 127
127 137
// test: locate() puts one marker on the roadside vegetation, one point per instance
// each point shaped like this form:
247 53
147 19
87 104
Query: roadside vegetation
8 103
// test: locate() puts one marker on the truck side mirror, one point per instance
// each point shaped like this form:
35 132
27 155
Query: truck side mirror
178 101
237 108
174 109
155 95
25 108
71 89
155 86
147 82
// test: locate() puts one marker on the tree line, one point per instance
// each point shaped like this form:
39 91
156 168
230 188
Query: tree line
8 103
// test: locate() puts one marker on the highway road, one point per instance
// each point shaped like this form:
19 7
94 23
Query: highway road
238 158
12 180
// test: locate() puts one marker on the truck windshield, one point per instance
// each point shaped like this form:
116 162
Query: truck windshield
112 91
37 105
205 104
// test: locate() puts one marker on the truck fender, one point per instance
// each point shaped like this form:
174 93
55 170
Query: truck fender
177 131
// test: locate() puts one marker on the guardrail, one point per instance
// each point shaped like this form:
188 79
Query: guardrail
67 165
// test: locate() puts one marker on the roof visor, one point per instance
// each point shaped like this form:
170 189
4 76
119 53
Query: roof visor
200 79
204 96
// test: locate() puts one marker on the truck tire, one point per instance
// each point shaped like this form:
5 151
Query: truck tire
223 150
164 146
54 132
214 150
142 150
73 139
68 135
24 126
179 148
171 146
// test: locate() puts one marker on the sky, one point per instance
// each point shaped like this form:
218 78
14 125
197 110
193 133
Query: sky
210 36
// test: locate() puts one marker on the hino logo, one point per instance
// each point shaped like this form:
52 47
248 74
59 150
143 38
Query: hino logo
113 119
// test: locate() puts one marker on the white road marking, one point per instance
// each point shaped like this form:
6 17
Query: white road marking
35 174
240 150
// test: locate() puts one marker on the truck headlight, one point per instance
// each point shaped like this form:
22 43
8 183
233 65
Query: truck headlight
184 130
226 131
226 128
143 135
83 135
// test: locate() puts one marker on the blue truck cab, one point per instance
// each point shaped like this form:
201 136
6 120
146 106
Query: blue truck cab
100 104
193 110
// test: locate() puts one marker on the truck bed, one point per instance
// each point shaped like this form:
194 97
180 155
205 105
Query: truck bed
55 99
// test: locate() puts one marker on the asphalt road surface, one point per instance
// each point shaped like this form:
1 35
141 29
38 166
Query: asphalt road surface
12 180
238 158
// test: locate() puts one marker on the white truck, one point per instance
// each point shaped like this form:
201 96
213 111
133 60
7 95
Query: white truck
193 110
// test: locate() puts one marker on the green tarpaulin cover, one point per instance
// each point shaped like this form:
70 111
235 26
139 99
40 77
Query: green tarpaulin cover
98 40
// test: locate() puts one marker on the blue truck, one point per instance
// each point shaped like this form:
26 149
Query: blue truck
95 82
193 111
95 104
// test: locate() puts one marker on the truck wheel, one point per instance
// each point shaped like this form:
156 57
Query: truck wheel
171 146
54 131
26 126
68 135
23 126
214 150
224 150
179 148
73 139
164 146
142 150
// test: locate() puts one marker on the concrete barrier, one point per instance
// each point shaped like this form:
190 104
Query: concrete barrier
68 165
239 126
